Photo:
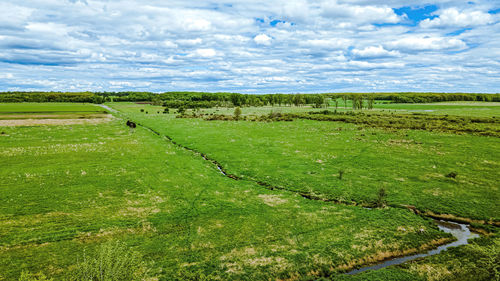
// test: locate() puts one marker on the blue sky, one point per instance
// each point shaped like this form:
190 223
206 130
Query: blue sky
252 46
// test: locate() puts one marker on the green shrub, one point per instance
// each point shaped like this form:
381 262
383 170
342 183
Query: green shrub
451 175
113 261
26 276
381 198
341 174
237 113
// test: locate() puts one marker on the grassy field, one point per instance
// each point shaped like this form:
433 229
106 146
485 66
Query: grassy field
307 156
67 190
459 108
476 109
28 110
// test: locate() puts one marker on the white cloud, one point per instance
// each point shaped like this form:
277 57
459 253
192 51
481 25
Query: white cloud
427 44
13 16
453 18
372 65
317 45
190 42
197 24
374 52
331 43
359 14
169 44
262 39
206 53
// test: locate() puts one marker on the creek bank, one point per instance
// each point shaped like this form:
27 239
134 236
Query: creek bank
460 231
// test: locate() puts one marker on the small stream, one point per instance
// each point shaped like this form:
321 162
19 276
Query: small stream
460 231
107 108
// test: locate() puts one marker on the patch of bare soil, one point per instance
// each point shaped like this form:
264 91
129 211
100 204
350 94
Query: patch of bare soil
52 122
52 116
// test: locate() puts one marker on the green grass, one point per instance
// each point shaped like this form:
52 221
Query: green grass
47 110
459 108
28 107
66 189
475 109
307 156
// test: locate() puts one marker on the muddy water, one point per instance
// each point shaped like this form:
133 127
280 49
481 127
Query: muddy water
460 231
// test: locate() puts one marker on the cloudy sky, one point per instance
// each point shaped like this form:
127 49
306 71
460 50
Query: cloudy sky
251 46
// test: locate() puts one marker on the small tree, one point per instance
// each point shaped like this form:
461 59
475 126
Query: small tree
181 110
344 97
370 101
237 113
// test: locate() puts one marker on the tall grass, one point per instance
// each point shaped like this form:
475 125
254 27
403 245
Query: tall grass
113 261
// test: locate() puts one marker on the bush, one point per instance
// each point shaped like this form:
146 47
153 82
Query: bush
237 113
381 198
341 174
112 261
452 175
26 276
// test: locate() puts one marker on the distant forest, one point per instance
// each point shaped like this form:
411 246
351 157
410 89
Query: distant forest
207 100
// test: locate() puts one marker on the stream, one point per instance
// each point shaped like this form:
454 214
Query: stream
458 230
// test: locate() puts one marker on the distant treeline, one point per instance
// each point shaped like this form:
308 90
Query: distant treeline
206 100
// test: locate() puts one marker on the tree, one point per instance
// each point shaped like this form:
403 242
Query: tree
318 101
344 97
370 101
236 99
237 113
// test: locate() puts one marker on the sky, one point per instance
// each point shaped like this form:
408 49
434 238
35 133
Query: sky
251 46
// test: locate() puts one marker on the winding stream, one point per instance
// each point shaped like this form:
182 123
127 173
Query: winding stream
460 231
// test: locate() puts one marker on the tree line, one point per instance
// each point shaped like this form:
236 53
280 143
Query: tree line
223 99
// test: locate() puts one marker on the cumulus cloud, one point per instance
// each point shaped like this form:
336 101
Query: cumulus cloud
205 53
247 46
262 39
374 52
190 42
452 17
197 24
359 14
427 44
330 43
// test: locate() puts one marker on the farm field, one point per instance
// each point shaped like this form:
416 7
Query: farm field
66 190
28 114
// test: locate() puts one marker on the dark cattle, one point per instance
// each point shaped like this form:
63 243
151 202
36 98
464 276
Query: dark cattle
131 124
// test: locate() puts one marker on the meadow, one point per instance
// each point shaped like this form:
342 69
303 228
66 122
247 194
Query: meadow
66 190
308 156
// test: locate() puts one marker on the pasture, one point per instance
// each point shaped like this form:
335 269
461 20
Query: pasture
307 156
67 189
